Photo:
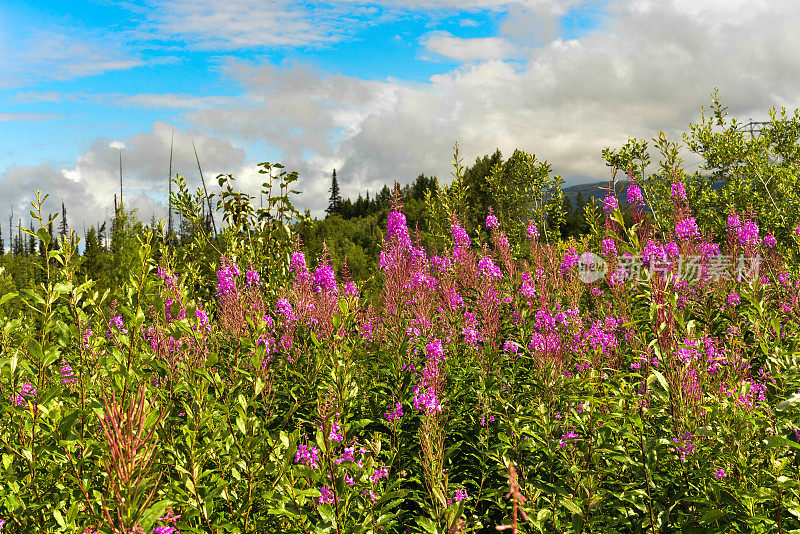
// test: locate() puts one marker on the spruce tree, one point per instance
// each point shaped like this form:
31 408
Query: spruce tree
53 243
19 243
31 242
63 227
335 200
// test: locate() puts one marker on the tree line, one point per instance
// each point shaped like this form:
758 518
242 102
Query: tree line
350 232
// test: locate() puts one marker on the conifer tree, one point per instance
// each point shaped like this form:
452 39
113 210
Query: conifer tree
19 244
63 227
31 242
53 243
335 200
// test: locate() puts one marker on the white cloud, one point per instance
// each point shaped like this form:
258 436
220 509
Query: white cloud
248 24
168 100
463 50
54 55
88 187
649 68
28 117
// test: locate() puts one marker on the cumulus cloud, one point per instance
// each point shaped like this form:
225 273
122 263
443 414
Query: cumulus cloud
236 24
28 117
88 187
650 67
55 55
464 50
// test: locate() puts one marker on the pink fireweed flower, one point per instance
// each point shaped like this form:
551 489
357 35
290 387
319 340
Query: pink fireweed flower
396 414
426 400
426 394
325 280
460 495
27 391
678 191
297 263
671 249
307 455
441 264
336 433
434 350
687 229
397 227
460 236
86 335
720 473
348 455
68 375
609 247
733 299
202 317
350 289
251 278
634 195
226 280
733 222
770 241
570 260
565 439
747 234
487 267
326 495
381 472
528 288
119 323
502 242
491 221
684 446
283 307
532 232
610 204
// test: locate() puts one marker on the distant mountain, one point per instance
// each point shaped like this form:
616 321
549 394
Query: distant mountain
597 190
594 190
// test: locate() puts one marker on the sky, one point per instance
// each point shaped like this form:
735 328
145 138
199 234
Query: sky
379 91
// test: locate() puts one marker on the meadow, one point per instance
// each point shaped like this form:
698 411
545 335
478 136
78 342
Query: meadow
487 375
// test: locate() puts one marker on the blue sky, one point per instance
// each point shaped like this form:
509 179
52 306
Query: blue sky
379 90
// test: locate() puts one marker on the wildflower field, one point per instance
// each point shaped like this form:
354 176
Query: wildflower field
642 377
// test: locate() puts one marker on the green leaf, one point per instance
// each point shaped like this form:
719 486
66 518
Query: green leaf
661 379
8 296
711 516
571 506
427 525
779 441
35 349
794 400
59 519
153 513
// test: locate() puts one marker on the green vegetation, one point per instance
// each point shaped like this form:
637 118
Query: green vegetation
440 358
